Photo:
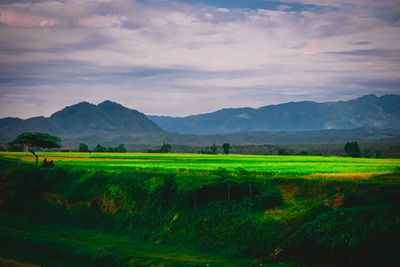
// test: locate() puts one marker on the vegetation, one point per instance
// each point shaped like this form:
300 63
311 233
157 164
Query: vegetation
165 148
226 147
303 166
213 149
193 210
352 149
100 148
36 140
283 152
83 147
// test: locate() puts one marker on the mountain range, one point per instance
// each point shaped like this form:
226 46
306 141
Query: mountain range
110 123
366 111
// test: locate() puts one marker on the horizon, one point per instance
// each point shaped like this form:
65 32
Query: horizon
148 114
183 57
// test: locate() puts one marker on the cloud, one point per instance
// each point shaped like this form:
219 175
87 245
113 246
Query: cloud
164 57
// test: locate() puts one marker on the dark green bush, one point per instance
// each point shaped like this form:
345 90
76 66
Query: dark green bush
345 237
267 198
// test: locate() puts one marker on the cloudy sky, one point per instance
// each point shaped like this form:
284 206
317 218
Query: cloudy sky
177 57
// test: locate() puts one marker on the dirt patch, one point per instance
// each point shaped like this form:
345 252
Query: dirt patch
354 176
13 263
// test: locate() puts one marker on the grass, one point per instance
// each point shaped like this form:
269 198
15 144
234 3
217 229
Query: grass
136 209
79 247
311 166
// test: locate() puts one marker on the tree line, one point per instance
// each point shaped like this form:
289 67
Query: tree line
28 141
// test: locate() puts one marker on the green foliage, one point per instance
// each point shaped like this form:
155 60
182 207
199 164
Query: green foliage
212 212
213 149
352 149
360 236
226 147
11 147
267 198
165 148
100 148
121 148
37 140
283 152
83 147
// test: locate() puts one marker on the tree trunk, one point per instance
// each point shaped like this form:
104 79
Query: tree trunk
195 200
250 190
37 158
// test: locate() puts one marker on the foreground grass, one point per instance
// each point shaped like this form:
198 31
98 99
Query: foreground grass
50 245
82 215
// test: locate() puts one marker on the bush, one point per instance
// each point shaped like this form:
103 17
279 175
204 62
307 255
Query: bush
267 198
283 152
83 147
345 237
100 148
352 149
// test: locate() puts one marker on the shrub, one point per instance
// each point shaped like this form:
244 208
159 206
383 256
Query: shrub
352 149
83 147
283 152
267 198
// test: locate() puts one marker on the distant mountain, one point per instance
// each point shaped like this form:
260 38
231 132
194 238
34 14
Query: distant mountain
366 111
110 124
82 120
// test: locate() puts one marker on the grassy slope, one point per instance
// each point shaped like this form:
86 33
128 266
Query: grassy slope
103 206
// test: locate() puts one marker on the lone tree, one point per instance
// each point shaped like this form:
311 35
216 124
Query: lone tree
352 149
38 141
83 147
213 149
121 148
165 148
226 148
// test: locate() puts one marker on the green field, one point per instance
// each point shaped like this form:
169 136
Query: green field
276 165
136 209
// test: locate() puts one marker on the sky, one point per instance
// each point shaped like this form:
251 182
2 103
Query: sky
179 58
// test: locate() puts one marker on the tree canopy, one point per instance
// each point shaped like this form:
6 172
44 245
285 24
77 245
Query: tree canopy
226 147
213 149
37 140
352 149
83 147
165 148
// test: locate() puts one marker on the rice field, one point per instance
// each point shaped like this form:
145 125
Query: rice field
329 167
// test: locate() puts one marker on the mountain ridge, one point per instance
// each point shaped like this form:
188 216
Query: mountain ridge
110 123
366 111
82 119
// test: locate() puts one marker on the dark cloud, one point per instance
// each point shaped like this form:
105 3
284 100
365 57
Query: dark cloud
361 43
381 53
393 84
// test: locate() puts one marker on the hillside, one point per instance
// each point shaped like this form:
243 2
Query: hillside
366 111
82 121
110 124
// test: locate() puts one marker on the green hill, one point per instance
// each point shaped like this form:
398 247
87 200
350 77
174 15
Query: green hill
366 111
